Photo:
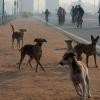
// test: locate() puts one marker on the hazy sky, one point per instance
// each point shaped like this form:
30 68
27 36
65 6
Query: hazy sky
67 2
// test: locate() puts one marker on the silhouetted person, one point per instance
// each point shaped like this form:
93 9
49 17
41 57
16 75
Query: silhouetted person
59 15
80 11
72 12
47 15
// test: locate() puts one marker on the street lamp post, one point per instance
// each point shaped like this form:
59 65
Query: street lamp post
94 6
38 4
3 11
99 3
17 7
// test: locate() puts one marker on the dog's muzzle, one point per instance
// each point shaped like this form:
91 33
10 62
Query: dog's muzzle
61 63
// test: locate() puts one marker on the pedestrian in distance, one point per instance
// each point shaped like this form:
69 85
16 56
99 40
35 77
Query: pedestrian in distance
61 15
47 13
72 13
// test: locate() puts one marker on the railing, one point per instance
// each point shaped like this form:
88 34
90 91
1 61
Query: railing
6 19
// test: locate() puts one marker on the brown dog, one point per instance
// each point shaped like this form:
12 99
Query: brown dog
69 46
88 49
18 36
33 51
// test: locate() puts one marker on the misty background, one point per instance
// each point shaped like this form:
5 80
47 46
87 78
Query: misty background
90 6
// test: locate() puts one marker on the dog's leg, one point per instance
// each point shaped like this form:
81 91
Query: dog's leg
13 42
87 58
38 62
88 87
36 68
78 89
22 42
22 58
95 60
84 86
18 43
31 58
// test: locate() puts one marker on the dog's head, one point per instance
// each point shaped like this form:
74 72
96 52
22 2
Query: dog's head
40 41
22 30
67 59
68 41
94 40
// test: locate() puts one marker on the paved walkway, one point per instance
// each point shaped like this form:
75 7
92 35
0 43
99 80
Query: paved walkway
29 85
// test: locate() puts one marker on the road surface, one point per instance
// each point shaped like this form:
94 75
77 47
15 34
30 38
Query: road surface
90 27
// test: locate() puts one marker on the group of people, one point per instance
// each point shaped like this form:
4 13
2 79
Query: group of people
61 15
76 13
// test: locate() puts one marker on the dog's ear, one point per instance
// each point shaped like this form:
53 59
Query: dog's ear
22 30
92 38
36 40
44 40
97 37
68 41
72 54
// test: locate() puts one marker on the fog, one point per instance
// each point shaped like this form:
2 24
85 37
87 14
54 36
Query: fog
40 6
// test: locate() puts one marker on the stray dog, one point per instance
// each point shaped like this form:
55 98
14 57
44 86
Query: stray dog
79 74
88 49
33 51
18 36
69 46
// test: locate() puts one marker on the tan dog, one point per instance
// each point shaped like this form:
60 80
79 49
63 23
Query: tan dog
79 74
33 51
18 36
69 46
88 49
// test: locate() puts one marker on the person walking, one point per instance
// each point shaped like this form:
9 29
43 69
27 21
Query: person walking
72 12
47 15
80 13
59 14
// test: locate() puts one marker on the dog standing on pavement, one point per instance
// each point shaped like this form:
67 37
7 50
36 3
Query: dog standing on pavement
88 49
18 36
69 46
34 52
79 74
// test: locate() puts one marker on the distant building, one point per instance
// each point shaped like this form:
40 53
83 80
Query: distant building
26 6
52 5
0 7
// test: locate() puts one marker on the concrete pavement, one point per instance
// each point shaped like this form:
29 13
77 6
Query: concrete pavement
90 27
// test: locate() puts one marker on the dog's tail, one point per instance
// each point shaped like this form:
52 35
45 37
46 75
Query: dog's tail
12 28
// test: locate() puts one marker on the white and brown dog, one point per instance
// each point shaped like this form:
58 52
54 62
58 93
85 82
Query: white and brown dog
79 74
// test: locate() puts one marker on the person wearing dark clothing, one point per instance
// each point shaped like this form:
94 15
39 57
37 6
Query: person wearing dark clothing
63 15
80 11
99 16
47 15
72 12
59 15
75 10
